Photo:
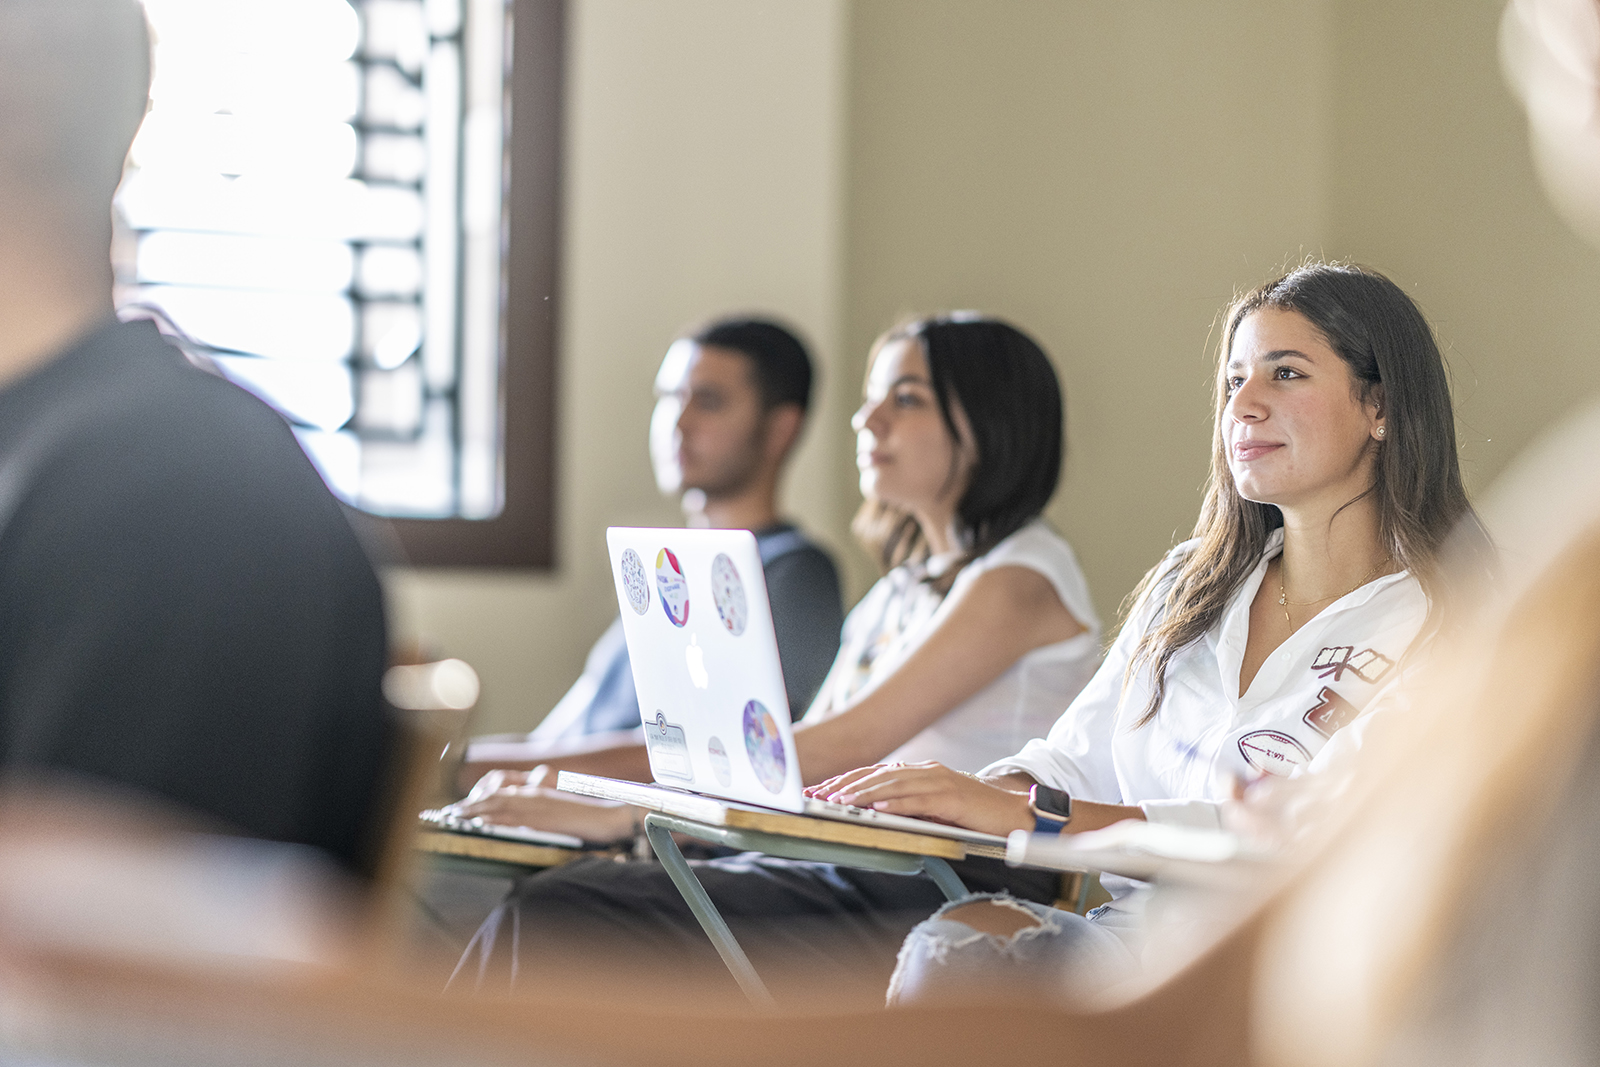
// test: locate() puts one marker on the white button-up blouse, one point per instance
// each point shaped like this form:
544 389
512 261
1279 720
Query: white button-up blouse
1179 767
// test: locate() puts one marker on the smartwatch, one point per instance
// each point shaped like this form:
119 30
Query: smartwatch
1052 808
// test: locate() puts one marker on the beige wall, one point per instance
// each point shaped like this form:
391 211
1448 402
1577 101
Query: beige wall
1433 182
1106 174
703 175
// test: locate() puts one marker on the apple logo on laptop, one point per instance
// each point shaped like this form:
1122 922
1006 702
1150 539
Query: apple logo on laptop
697 663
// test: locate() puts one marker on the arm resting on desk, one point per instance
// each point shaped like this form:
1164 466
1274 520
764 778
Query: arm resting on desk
933 791
515 798
618 754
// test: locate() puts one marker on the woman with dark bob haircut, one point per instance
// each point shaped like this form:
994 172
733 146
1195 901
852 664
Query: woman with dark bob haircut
1012 402
1313 571
981 630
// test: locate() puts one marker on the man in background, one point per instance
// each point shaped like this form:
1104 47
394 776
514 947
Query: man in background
731 401
186 618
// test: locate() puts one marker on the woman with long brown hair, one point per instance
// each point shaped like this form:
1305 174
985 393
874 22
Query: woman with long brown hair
1312 572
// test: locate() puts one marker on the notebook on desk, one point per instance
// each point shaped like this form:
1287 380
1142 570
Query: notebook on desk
705 663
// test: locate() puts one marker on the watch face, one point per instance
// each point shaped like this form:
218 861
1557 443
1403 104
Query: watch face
1049 801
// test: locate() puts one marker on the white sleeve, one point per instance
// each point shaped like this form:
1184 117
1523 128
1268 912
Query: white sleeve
1339 754
1332 765
1194 814
1076 755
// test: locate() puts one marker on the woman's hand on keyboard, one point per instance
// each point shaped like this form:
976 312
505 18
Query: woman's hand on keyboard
826 790
931 791
517 798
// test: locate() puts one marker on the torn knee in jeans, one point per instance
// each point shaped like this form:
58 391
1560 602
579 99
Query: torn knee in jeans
1000 916
1000 920
974 942
984 946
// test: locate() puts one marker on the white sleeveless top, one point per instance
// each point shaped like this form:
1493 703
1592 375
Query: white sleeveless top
901 610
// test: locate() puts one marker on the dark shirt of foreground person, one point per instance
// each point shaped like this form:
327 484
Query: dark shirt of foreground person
185 611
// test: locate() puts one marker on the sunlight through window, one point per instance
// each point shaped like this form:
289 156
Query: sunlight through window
315 202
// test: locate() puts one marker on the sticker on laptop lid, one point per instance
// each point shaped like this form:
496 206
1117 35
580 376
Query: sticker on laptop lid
672 586
764 745
634 583
727 591
721 766
668 748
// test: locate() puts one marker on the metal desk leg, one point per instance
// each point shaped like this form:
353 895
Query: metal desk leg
1084 880
943 877
694 894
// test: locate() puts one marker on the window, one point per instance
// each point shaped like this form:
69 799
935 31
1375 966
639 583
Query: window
350 207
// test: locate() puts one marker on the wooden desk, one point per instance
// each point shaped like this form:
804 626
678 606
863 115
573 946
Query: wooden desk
732 815
776 833
491 855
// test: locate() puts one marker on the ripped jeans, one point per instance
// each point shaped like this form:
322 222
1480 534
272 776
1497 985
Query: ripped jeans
1064 956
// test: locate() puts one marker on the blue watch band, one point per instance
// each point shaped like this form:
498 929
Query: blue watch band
1052 809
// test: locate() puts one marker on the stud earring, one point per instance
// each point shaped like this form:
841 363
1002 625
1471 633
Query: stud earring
1381 431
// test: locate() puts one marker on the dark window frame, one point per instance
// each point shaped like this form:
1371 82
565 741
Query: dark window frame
524 533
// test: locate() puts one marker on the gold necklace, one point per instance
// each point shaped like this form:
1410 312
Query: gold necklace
1285 603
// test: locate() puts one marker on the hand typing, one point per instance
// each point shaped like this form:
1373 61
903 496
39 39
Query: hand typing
519 798
930 791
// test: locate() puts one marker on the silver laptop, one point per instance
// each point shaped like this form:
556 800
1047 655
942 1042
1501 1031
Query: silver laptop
705 665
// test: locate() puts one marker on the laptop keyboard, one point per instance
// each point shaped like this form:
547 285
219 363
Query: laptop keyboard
850 811
446 820
888 820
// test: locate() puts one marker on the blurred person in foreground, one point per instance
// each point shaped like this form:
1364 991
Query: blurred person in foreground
186 617
731 403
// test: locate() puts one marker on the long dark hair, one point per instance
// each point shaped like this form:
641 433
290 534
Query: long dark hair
1376 329
1006 386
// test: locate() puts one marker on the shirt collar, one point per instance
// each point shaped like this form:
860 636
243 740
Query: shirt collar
1234 630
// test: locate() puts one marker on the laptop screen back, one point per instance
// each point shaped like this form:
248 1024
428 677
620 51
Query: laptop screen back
705 663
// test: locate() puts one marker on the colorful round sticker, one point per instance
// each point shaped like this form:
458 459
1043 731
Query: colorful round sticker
764 745
672 586
721 766
634 583
727 591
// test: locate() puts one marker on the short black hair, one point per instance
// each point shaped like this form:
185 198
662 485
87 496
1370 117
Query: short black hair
780 360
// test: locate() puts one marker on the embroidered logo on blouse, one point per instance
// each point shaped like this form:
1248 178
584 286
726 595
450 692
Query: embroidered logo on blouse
1273 752
1331 713
1368 665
